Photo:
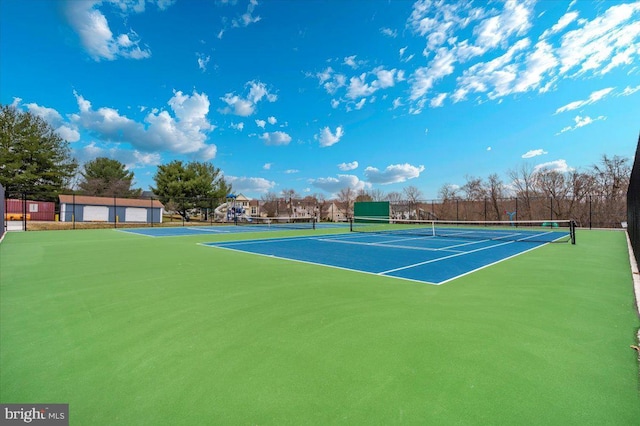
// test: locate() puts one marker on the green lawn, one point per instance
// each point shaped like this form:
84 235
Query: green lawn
135 330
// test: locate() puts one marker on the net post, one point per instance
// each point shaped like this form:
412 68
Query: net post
572 231
351 224
313 223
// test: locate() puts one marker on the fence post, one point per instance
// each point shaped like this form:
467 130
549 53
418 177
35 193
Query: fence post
485 209
24 211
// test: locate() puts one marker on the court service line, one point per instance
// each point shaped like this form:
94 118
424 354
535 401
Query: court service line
443 258
386 245
205 230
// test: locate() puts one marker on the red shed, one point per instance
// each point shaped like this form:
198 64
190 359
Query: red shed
36 210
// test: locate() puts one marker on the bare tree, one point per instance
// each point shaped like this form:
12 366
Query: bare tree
394 197
270 204
412 195
363 195
346 196
523 181
553 185
474 189
289 195
377 195
495 190
612 176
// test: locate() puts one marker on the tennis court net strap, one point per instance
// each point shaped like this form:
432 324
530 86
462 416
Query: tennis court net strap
526 231
279 222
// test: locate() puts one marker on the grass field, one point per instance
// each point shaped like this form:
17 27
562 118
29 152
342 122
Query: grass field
131 330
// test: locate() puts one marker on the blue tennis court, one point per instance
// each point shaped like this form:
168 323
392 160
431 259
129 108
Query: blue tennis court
428 259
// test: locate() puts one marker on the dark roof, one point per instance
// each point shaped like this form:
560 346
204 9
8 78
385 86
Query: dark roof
109 201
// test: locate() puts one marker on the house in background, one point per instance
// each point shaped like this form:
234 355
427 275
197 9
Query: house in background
82 208
333 213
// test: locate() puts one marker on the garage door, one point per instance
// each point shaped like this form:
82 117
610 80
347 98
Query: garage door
95 214
133 214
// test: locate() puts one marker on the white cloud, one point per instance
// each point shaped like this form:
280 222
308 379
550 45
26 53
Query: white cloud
272 120
328 138
593 98
248 17
334 185
629 90
132 159
237 126
267 166
581 122
424 78
389 32
560 166
261 123
601 44
497 77
514 64
359 104
345 167
438 100
291 171
514 19
393 174
95 33
65 130
359 88
245 107
203 61
185 132
562 23
250 184
438 21
351 61
276 138
534 153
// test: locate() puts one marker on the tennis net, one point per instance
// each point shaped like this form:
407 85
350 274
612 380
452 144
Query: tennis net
545 231
279 222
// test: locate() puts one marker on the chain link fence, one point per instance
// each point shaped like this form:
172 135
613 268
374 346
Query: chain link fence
72 211
633 205
591 211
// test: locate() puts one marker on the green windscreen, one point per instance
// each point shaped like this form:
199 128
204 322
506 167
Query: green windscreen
373 209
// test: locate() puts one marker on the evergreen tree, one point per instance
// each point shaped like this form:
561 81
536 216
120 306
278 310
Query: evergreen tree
194 185
105 177
34 158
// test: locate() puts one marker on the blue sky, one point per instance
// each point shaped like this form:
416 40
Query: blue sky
320 95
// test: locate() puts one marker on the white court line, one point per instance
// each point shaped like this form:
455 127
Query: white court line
132 232
444 258
384 244
205 229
